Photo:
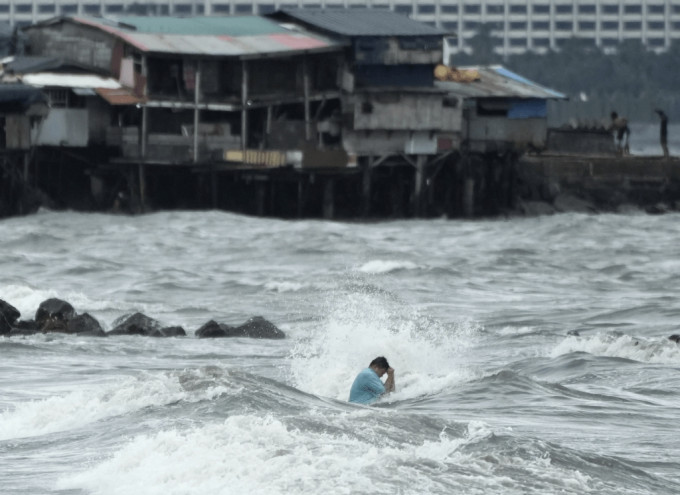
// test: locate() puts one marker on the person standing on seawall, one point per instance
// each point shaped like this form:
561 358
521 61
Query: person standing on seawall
367 387
663 134
621 133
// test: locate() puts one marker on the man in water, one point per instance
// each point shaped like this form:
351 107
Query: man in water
663 132
367 387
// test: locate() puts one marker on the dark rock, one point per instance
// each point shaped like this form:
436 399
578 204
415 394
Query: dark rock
657 209
52 312
255 328
168 332
675 338
258 328
8 317
54 325
568 203
574 333
25 327
135 324
85 324
212 329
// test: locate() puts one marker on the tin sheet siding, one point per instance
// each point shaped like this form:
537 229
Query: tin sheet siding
394 111
527 109
73 42
393 75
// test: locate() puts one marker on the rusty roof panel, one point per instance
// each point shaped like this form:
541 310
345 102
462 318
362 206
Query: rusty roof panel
121 96
228 43
227 46
498 82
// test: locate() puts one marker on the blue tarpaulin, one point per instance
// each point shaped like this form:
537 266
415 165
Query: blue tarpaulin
528 109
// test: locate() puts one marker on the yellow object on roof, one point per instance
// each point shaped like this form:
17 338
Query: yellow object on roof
444 73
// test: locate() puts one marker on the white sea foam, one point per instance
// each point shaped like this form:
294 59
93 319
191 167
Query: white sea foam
263 455
621 346
386 266
428 357
27 299
91 404
283 286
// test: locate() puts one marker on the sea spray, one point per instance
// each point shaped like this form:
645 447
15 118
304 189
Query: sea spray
362 321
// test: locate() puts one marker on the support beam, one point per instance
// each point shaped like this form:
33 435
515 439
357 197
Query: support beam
244 106
306 90
301 195
419 186
142 187
366 187
213 187
329 199
197 100
144 138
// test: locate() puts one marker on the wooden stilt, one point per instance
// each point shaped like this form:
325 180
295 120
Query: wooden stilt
306 90
300 196
261 196
142 187
366 188
244 107
419 186
329 199
197 98
213 188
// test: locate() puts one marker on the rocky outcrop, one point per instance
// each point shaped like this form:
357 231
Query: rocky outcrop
259 328
256 328
135 324
53 315
85 324
168 332
212 329
675 338
8 317
56 315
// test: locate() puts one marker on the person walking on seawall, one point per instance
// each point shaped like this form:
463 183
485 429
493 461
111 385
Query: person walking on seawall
367 387
621 133
663 133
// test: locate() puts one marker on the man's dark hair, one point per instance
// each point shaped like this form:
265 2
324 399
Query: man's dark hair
380 362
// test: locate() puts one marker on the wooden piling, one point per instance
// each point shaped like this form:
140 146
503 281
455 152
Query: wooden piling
419 186
366 188
329 199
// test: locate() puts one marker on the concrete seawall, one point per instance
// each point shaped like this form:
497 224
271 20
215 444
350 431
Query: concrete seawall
554 183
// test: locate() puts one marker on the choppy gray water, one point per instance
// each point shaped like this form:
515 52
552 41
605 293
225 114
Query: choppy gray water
493 396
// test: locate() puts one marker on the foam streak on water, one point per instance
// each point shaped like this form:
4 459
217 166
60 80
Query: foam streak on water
532 356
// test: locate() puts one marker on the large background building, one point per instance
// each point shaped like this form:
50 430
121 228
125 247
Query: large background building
518 25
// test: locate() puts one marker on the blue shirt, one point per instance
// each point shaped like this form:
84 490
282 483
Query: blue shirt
367 387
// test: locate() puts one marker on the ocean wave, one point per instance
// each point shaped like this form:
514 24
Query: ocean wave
620 345
386 266
269 455
91 404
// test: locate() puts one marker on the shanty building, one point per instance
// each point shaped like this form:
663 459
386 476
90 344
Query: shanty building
395 122
22 109
313 112
217 92
502 110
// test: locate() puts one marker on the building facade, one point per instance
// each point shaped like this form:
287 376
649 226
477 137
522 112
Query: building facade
518 25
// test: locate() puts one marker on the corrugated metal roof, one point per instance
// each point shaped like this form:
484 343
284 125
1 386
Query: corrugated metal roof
362 22
23 64
55 80
498 82
226 44
122 96
214 25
